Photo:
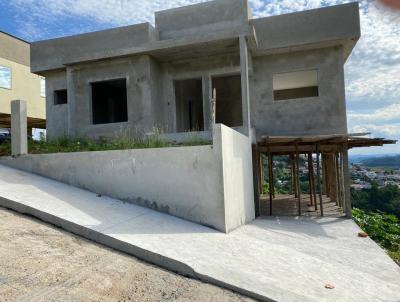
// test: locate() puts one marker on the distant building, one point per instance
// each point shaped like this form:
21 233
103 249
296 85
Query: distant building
17 82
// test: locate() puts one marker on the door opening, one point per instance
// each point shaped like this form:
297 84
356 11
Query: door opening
189 105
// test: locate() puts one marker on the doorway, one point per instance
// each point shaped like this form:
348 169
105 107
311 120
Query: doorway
229 100
189 105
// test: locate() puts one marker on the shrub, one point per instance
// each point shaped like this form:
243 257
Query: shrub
382 228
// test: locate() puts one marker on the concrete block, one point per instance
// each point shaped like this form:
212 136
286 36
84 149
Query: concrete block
19 131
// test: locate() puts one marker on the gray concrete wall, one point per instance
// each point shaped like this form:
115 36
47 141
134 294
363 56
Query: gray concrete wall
182 181
317 26
201 18
54 53
136 71
325 114
204 184
57 115
237 176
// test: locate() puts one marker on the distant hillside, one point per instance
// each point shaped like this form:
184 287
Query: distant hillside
384 161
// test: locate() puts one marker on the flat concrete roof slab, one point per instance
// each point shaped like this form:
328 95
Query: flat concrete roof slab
273 259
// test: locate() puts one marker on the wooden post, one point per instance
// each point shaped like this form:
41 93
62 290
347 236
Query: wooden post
261 172
256 183
314 187
310 180
294 176
346 180
319 183
270 181
323 175
213 107
298 180
337 165
342 179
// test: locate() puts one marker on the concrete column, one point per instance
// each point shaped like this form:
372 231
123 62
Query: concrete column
346 179
244 72
71 103
19 131
207 87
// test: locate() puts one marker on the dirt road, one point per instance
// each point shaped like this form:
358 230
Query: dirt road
39 262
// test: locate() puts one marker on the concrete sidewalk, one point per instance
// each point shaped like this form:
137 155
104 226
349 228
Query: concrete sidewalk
281 259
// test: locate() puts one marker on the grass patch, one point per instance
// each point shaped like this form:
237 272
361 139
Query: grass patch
68 144
383 228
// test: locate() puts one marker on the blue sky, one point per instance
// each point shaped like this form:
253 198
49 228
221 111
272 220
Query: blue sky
372 71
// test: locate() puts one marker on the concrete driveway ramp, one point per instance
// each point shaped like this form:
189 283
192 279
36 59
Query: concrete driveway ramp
272 259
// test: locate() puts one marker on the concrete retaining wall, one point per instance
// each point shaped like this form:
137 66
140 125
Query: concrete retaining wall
210 185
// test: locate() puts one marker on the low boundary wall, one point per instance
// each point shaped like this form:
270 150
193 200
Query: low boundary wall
211 185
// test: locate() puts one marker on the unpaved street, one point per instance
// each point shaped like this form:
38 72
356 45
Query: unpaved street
39 262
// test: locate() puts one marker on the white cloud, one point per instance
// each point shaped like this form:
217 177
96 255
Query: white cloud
384 115
387 131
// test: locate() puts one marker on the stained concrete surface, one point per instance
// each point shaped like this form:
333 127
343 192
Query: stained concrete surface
280 259
39 262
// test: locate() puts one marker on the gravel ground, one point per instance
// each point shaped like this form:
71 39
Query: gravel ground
39 262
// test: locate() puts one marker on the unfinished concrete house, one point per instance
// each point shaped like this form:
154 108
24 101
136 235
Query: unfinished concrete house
257 88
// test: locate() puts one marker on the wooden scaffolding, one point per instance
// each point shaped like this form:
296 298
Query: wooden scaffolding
327 162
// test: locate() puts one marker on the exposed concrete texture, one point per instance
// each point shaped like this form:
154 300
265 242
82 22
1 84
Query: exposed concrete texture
304 30
214 181
202 18
274 259
186 49
57 115
53 54
19 130
237 176
325 114
205 22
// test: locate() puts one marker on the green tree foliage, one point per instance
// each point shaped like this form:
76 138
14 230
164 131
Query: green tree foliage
386 199
382 228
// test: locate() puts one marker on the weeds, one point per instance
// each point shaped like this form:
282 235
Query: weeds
122 141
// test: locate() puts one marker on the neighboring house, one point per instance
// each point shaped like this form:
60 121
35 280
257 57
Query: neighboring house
18 83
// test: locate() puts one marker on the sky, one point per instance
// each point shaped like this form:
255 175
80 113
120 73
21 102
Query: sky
372 72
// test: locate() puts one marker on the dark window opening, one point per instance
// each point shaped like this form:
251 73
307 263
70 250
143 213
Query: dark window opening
229 100
295 85
295 93
109 102
60 97
189 105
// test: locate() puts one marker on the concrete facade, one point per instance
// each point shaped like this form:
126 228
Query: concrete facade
209 43
203 41
215 181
